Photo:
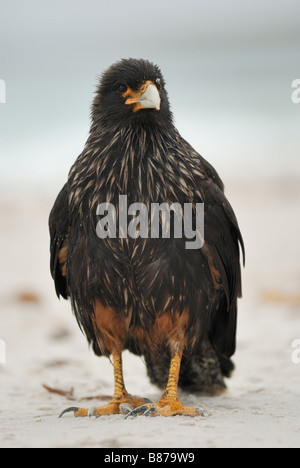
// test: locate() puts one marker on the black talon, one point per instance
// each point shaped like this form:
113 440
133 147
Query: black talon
126 409
150 411
136 411
201 412
69 410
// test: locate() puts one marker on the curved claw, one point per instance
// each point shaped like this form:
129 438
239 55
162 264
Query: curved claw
174 408
69 410
151 410
136 411
201 412
125 409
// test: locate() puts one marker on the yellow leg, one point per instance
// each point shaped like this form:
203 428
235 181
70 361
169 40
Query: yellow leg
169 404
122 401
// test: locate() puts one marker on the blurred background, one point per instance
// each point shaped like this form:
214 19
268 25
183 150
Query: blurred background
229 68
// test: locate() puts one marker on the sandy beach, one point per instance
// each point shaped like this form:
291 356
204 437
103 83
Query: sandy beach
45 347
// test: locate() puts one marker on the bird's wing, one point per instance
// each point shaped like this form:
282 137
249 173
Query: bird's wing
205 167
59 227
222 251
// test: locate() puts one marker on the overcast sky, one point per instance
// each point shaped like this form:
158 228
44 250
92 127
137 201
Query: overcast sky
228 66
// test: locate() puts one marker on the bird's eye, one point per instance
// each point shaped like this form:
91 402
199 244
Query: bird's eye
122 89
157 82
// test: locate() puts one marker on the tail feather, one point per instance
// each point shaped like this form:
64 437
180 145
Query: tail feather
202 372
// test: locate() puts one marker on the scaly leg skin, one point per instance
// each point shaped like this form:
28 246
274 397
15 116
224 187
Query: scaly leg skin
169 404
122 402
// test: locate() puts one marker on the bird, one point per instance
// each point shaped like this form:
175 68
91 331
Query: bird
174 306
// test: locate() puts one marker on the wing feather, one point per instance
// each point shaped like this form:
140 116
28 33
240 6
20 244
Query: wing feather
59 227
223 242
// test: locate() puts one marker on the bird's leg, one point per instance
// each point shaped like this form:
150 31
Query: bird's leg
169 404
121 403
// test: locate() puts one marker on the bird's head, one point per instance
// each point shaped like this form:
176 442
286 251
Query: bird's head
131 90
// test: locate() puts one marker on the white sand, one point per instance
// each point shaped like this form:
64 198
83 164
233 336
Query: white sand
261 407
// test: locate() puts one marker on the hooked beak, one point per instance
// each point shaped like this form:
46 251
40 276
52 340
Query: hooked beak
147 97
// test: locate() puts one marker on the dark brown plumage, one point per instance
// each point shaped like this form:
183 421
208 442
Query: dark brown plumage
151 296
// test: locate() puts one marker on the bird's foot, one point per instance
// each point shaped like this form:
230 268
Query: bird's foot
167 408
123 405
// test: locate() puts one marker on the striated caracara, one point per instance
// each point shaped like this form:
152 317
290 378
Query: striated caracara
152 290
